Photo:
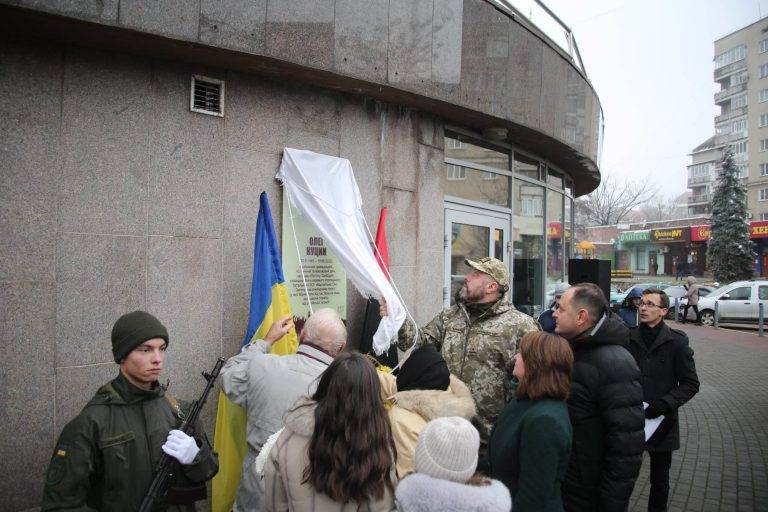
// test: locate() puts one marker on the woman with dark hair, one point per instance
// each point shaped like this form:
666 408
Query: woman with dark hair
336 451
531 441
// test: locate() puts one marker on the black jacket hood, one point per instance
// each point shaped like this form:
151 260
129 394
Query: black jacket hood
609 330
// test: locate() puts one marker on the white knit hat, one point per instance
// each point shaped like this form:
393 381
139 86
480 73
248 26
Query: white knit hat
447 449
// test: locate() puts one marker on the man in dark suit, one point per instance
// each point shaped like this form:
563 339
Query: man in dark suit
669 380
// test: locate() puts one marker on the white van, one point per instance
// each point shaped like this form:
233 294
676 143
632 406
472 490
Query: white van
737 302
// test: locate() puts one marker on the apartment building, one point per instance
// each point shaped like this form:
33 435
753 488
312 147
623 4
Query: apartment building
741 70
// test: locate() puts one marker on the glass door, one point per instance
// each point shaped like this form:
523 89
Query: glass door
471 235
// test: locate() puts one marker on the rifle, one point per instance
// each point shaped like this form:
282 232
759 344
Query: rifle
164 470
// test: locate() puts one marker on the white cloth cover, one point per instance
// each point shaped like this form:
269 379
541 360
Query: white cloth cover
324 189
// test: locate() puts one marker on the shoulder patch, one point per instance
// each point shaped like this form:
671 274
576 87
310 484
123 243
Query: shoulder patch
57 468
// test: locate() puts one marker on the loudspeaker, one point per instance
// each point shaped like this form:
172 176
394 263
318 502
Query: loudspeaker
591 271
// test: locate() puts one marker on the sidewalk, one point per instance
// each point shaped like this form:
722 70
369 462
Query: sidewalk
721 464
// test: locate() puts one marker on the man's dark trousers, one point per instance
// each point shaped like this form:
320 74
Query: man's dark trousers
660 464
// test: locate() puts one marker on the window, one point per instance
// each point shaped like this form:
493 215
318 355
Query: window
764 216
531 206
764 194
743 170
763 95
700 169
763 120
763 169
739 147
763 144
764 71
740 293
488 176
739 101
456 172
454 143
739 125
764 46
734 54
737 79
762 292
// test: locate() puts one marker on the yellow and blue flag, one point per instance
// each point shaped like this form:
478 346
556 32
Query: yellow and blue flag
269 302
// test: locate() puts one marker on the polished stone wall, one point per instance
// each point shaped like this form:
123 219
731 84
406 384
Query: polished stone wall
114 196
463 53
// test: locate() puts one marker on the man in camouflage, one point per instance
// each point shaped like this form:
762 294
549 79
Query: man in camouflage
478 337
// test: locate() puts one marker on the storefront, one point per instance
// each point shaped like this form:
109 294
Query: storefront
672 248
698 249
635 253
758 233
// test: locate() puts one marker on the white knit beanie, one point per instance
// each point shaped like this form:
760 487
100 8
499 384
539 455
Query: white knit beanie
447 449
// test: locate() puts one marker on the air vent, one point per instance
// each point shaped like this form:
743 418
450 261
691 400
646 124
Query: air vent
207 96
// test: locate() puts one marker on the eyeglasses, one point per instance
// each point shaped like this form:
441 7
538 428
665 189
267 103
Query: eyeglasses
649 304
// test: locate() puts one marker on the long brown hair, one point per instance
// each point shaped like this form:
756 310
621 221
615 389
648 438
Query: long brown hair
351 452
548 361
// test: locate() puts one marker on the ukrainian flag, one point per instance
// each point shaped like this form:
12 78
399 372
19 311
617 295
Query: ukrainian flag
269 302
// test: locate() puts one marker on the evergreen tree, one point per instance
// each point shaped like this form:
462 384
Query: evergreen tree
729 251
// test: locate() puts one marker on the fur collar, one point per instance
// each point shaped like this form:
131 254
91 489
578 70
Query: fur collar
422 493
431 404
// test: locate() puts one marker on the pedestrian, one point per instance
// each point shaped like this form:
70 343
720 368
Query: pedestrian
605 404
422 391
478 338
531 441
336 451
681 269
105 457
445 479
628 312
267 385
669 381
546 321
692 296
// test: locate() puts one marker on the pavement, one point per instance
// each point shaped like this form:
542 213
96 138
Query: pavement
723 458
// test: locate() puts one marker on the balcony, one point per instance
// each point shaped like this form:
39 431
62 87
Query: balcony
723 95
730 69
731 114
727 138
699 199
699 180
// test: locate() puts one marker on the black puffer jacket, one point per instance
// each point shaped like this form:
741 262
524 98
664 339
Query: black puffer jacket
669 376
606 410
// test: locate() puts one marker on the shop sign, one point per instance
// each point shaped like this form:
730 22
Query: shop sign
635 236
555 230
758 229
701 233
671 234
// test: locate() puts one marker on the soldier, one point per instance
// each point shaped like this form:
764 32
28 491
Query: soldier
105 457
478 338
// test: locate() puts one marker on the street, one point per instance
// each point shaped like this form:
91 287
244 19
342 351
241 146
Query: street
721 464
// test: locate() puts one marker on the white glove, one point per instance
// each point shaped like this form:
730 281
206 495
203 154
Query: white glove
181 447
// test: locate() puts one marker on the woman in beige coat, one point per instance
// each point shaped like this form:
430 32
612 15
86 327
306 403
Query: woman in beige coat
336 451
692 294
423 391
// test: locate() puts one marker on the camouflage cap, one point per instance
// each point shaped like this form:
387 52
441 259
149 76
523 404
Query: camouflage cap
493 267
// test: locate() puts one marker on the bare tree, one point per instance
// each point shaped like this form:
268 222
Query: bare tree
613 200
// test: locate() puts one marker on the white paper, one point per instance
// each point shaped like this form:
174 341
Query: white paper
324 189
651 424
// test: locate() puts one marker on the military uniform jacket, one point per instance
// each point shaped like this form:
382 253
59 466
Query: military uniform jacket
479 350
105 457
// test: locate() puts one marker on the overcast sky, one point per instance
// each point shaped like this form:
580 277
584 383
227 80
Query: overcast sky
651 64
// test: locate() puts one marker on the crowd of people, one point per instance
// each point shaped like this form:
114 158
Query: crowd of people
487 412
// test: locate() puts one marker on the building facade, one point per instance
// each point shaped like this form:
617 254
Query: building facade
741 71
702 175
137 136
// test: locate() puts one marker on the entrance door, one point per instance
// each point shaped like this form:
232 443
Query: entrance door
471 234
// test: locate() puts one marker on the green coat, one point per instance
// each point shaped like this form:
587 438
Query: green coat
529 451
479 349
105 457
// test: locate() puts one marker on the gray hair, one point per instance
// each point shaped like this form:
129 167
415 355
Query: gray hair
691 279
326 329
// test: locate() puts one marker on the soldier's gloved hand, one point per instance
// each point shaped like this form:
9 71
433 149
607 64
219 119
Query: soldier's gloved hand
181 447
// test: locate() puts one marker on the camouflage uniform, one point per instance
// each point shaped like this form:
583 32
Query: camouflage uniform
479 349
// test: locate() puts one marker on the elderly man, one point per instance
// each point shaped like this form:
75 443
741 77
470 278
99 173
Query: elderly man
478 338
605 404
267 385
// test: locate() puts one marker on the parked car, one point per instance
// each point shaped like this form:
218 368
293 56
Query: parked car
618 298
737 302
678 292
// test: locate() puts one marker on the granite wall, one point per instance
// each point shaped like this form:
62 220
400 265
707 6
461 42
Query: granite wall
114 196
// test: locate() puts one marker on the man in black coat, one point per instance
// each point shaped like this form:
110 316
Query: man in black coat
605 405
669 380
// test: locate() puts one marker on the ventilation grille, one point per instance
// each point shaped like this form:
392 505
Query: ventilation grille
207 96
